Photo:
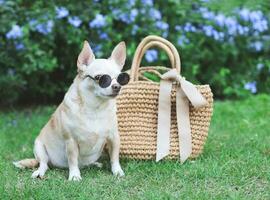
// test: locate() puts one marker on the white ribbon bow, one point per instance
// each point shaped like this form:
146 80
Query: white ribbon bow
185 92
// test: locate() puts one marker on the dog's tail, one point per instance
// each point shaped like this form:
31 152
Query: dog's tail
26 163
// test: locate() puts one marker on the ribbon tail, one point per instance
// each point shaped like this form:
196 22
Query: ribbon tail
183 124
164 120
184 94
192 93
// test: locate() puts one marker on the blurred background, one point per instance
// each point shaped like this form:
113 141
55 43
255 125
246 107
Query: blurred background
223 43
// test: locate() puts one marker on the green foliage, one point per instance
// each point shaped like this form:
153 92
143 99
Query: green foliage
234 164
151 76
38 58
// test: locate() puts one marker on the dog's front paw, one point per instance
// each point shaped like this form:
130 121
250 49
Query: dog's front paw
117 170
74 175
38 174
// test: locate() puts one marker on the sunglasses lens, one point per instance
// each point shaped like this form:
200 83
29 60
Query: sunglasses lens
105 81
123 79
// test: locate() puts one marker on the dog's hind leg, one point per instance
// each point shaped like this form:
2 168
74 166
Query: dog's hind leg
26 163
42 157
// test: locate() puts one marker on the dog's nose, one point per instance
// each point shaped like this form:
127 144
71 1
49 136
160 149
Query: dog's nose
116 87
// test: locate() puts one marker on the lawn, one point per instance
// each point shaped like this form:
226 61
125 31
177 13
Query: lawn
235 163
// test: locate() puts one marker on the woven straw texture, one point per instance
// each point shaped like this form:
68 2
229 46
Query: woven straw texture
137 112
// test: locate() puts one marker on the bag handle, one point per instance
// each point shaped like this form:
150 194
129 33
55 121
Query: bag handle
149 42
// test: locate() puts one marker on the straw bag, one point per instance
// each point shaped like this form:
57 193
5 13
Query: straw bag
167 119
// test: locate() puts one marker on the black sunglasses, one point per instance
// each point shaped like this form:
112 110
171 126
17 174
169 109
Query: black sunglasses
105 80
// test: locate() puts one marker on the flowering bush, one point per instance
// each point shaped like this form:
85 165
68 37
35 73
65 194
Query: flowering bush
40 41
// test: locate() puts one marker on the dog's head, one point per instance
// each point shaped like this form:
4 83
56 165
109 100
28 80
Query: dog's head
101 76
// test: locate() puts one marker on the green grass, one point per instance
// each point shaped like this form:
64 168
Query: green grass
234 165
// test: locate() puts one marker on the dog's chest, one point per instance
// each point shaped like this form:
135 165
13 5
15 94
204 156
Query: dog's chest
91 132
99 123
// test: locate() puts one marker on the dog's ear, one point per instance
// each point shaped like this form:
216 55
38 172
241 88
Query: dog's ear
86 57
119 54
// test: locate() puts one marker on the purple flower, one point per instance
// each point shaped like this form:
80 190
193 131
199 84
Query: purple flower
162 25
242 30
182 40
260 25
151 55
255 16
231 25
98 22
203 9
61 12
15 32
116 13
155 13
134 30
178 28
208 30
19 46
211 32
97 49
221 36
75 21
126 17
131 3
206 14
165 34
147 2
45 28
251 86
216 35
33 23
189 27
260 66
258 45
244 14
230 21
133 14
103 36
220 19
143 11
